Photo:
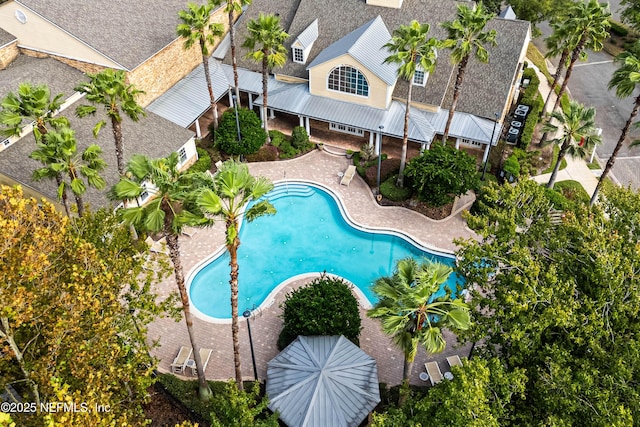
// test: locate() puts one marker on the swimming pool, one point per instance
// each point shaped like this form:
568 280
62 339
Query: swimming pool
308 234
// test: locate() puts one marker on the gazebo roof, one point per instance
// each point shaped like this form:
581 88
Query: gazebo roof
322 381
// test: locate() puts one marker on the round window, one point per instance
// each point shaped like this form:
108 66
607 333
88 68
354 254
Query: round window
20 16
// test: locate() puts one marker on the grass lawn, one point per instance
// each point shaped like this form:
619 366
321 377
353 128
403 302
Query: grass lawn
572 190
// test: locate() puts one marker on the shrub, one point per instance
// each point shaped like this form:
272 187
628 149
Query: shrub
440 174
203 163
367 152
251 131
388 168
531 91
277 137
325 306
300 139
618 29
391 191
511 166
572 190
530 124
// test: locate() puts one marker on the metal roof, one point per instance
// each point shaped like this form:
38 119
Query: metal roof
309 35
188 99
322 381
365 45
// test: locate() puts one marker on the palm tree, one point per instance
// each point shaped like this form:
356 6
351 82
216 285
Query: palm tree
110 89
412 314
589 23
410 48
30 104
196 27
234 7
233 188
577 137
59 153
265 42
466 36
625 80
165 213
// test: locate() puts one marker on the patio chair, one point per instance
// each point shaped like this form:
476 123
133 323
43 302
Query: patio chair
159 247
205 355
454 361
435 375
348 175
180 361
189 231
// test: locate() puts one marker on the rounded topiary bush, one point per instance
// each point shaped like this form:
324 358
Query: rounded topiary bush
300 139
325 306
251 131
391 191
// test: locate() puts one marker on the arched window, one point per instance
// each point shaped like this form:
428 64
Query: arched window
349 80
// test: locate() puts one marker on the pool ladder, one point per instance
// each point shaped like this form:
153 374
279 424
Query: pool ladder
286 184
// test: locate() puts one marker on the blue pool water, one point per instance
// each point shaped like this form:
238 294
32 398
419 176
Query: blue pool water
308 234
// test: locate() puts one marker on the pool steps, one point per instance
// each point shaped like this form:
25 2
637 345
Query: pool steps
289 190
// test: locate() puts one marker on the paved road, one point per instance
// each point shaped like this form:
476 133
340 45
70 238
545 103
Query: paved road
588 85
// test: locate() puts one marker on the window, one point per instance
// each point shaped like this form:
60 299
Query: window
419 78
182 154
349 80
298 55
471 142
346 129
143 196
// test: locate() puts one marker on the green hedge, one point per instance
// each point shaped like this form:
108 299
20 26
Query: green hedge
531 92
530 124
203 163
618 29
392 192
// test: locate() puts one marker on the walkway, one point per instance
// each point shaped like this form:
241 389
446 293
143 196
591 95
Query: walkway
322 168
576 169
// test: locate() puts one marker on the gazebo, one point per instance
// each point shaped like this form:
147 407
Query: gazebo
322 381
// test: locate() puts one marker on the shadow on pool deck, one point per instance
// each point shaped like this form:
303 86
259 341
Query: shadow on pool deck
322 168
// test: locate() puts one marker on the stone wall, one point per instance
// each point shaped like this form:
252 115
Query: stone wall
8 54
156 75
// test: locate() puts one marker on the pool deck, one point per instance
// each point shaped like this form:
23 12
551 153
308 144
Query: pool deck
322 168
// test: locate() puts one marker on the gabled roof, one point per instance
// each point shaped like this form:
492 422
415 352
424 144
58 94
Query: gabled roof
508 13
309 35
128 32
365 45
6 38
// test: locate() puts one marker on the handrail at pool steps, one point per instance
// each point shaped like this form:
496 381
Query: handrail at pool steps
279 191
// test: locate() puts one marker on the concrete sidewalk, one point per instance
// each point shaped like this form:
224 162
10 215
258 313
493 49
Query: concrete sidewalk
576 169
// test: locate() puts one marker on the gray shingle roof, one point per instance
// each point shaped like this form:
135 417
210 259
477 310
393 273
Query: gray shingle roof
6 38
129 32
322 381
152 136
337 18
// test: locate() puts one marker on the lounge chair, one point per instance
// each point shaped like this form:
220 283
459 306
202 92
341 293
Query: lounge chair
435 375
181 360
159 247
205 355
454 361
348 175
189 231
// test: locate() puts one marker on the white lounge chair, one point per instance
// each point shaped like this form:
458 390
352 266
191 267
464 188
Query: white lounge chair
435 375
159 247
189 231
454 361
181 360
348 175
205 355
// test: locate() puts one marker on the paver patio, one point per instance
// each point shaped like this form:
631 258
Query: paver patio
322 168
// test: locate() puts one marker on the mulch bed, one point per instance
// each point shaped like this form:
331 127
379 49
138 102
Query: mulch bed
441 212
164 411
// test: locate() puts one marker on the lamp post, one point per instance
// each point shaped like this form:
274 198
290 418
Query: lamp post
484 169
235 108
379 158
246 315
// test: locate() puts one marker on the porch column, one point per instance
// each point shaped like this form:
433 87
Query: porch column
486 152
307 126
262 115
250 101
423 146
300 120
371 140
230 96
272 114
198 133
457 143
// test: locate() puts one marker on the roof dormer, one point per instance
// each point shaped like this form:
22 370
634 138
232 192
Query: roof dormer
395 4
301 46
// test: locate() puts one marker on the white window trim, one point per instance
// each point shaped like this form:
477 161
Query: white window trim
346 129
182 155
349 93
295 49
471 143
424 79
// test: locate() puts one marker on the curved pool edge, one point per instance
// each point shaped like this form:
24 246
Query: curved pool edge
271 296
363 301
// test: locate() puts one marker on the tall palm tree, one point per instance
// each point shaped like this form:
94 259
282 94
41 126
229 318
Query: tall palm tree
578 133
196 27
412 314
233 188
466 36
109 89
589 23
624 80
265 42
165 213
59 153
235 7
30 103
410 49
